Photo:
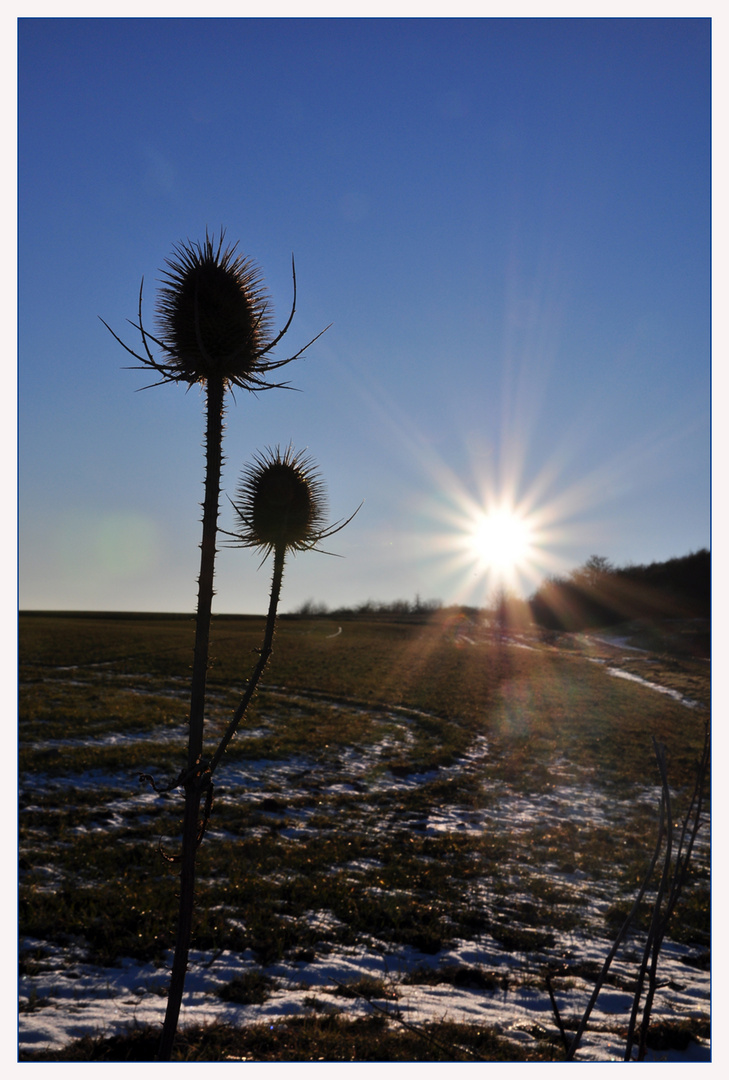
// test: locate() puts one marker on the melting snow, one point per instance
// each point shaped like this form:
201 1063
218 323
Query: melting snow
66 997
78 999
618 673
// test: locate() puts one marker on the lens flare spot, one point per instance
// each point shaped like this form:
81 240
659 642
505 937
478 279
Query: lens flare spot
114 546
125 545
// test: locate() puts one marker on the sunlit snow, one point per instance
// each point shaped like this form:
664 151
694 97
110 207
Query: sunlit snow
67 998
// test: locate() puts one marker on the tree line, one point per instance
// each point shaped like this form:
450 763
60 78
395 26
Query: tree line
595 594
599 594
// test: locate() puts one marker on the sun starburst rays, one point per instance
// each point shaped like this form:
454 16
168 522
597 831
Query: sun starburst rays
493 544
501 539
493 532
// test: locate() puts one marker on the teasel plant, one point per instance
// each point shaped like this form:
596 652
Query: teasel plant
214 329
280 509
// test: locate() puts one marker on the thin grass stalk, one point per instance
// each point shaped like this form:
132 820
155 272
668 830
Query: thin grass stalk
651 992
697 801
653 929
194 783
555 1009
414 1028
618 941
678 880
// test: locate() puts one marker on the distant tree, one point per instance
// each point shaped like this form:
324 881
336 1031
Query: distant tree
592 572
599 594
310 609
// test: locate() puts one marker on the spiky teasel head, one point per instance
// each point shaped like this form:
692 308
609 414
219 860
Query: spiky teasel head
281 504
213 319
213 314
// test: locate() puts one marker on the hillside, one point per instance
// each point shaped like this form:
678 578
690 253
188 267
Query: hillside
598 594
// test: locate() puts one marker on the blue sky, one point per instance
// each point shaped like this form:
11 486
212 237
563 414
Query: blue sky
506 221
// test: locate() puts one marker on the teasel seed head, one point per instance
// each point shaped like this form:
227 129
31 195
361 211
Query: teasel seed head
213 314
281 504
214 320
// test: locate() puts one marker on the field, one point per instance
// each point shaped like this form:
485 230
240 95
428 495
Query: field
419 833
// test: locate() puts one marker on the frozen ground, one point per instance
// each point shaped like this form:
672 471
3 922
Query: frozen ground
83 1000
66 997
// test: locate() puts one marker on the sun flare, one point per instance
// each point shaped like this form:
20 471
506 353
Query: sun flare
501 540
494 543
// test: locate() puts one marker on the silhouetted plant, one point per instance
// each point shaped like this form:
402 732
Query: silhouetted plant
674 875
281 508
214 329
673 880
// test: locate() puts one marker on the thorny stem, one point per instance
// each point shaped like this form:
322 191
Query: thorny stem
184 925
197 780
266 650
214 459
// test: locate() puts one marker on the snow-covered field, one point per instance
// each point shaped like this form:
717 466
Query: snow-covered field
83 1000
66 997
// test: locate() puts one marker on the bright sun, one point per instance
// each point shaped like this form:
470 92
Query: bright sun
501 540
493 543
